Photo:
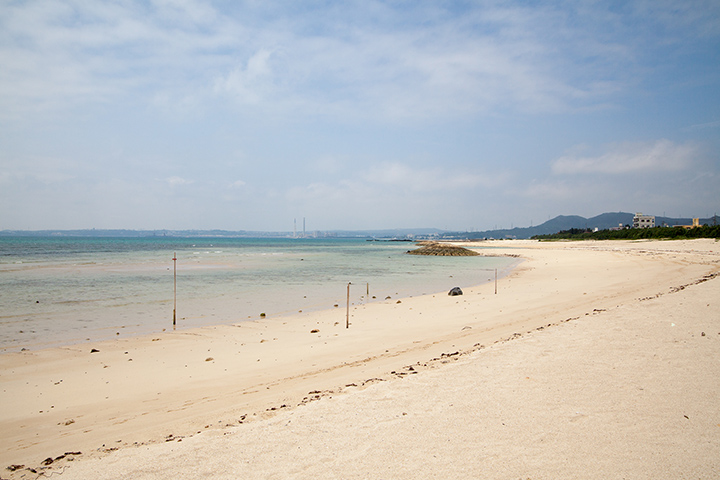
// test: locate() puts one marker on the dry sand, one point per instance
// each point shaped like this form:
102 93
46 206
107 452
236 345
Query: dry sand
594 360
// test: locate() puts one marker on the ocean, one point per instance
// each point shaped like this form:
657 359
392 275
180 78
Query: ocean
67 290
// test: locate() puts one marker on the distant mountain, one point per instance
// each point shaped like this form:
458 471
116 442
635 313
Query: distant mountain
566 222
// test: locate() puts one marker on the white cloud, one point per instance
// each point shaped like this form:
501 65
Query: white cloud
703 126
420 178
630 157
66 53
178 181
250 83
552 190
368 59
44 169
326 193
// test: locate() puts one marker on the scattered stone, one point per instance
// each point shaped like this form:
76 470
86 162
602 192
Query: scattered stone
209 359
455 291
94 350
12 468
314 330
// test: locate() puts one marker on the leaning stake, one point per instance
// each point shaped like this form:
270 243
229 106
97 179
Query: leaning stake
347 312
174 286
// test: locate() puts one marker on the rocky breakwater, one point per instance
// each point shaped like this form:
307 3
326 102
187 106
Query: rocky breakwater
442 249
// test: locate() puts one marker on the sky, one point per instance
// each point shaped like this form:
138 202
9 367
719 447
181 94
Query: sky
457 115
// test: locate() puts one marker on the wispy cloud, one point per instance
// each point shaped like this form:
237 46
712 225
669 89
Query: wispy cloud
60 53
43 169
432 60
428 179
178 181
703 126
552 190
250 83
340 110
659 156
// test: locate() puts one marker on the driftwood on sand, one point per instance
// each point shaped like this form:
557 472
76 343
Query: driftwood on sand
442 249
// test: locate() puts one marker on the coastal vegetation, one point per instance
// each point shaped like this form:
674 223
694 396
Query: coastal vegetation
705 231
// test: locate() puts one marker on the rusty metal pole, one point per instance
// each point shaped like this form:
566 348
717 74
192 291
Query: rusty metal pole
174 287
347 312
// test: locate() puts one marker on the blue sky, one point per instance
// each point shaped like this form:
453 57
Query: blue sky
458 115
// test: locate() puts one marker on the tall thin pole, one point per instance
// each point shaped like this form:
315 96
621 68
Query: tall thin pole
174 286
496 281
347 312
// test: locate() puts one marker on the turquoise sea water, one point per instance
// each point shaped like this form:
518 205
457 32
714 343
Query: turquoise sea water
66 290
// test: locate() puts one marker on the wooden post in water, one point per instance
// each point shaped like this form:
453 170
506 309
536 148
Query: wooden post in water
174 287
347 312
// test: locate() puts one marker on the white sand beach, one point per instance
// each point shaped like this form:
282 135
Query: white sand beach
593 360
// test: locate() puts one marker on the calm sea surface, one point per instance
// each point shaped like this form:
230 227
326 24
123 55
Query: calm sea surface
65 290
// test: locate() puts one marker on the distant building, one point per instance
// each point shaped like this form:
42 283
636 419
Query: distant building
643 221
696 224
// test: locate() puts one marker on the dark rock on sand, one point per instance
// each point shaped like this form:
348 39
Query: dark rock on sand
455 291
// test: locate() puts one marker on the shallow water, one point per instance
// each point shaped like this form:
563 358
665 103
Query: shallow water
66 290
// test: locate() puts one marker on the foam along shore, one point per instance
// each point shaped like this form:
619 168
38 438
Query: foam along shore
608 349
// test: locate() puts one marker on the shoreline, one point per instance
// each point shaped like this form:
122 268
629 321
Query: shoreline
143 391
133 330
205 297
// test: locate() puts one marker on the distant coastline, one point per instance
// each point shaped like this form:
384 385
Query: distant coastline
552 226
400 234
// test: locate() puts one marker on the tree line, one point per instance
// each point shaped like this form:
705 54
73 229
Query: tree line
704 231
